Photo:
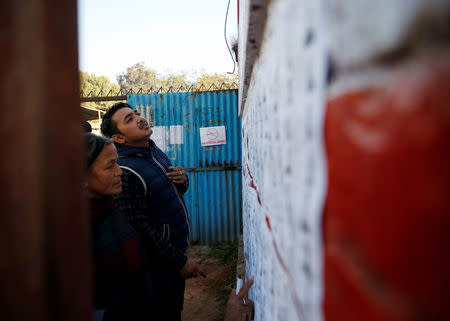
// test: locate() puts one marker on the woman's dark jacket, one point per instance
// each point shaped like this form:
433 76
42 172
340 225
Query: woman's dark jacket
124 286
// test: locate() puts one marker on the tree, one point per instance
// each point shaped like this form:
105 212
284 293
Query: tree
208 79
138 77
97 86
141 78
176 81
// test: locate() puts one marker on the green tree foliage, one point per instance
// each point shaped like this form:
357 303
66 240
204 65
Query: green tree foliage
139 76
93 85
176 81
208 79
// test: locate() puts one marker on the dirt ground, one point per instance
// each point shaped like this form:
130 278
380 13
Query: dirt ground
205 298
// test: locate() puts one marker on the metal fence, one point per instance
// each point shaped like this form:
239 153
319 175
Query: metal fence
122 94
180 121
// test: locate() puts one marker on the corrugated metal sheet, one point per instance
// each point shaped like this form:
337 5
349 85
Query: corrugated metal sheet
214 196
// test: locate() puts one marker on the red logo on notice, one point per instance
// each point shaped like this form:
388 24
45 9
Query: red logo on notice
212 134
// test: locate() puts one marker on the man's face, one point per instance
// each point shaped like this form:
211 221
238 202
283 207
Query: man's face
134 128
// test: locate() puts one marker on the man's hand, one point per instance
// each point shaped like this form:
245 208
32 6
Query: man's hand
240 307
191 269
177 174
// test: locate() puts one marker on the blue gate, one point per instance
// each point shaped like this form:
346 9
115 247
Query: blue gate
214 198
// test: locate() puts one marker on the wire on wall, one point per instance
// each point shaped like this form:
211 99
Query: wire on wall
226 40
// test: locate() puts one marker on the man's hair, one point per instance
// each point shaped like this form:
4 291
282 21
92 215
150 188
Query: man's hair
108 126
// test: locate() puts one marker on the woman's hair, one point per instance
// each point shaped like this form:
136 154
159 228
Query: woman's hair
87 128
94 146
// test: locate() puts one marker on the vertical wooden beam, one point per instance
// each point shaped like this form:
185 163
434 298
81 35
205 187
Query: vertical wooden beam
45 254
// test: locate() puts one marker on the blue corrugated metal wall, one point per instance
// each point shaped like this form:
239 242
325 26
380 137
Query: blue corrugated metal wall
214 196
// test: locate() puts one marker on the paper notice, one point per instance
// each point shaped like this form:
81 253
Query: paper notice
213 136
176 134
159 137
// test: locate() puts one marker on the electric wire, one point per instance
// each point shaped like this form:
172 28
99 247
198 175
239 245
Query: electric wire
226 40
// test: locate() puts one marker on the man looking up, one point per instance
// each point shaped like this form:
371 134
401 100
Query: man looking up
152 199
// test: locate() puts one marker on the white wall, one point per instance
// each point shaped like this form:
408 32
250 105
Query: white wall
283 154
283 151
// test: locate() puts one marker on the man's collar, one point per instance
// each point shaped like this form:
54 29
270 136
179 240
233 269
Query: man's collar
151 145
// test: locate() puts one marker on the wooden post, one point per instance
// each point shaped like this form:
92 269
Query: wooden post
45 267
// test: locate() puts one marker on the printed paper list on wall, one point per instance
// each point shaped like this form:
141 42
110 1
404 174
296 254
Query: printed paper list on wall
213 136
176 134
159 136
284 167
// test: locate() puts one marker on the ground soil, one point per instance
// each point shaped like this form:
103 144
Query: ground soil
205 298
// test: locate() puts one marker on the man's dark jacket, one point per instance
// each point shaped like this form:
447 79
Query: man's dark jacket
155 207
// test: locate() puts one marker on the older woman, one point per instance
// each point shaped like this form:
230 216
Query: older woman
123 281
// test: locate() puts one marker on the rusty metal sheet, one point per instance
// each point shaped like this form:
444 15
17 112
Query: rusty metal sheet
214 197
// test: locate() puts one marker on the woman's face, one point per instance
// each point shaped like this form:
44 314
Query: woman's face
104 176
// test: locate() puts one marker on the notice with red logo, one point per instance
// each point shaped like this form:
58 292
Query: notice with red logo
213 136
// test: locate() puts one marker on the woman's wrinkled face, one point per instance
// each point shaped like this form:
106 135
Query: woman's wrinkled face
104 175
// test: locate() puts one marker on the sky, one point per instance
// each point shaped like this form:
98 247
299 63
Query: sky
166 35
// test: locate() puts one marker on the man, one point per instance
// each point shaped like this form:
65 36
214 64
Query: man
152 199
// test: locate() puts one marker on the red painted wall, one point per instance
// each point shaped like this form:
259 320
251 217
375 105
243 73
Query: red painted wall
387 213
